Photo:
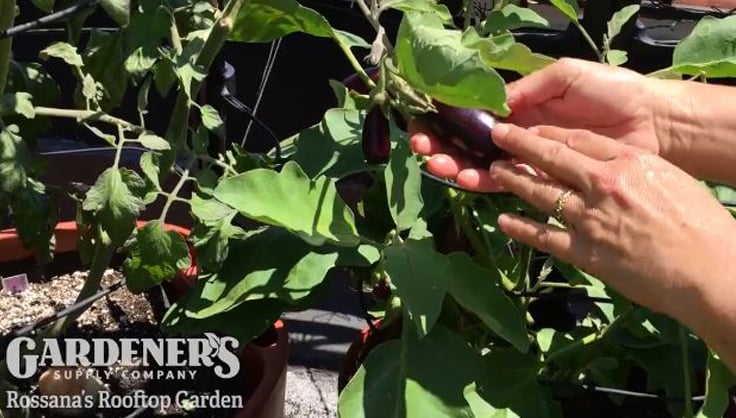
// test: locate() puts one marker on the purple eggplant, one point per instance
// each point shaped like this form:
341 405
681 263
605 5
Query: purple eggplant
466 130
355 83
376 138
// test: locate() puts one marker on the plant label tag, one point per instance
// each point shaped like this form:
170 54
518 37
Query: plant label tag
15 284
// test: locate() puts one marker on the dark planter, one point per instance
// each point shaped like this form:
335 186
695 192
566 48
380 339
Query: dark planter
264 360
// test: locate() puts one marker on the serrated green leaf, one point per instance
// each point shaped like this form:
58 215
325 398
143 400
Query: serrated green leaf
616 57
155 256
150 168
14 158
103 60
154 142
413 378
436 61
115 204
63 51
568 7
34 217
708 49
211 119
17 103
271 197
119 10
477 290
619 19
404 186
422 278
512 17
89 87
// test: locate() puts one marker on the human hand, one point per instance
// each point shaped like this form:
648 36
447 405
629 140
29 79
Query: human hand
570 93
637 222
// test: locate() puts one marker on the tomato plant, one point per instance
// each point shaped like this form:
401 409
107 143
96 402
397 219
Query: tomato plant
472 339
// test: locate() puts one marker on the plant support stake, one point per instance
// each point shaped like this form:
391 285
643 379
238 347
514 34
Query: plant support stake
9 32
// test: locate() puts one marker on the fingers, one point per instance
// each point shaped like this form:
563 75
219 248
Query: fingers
593 145
424 144
478 181
552 157
445 166
540 193
546 238
543 85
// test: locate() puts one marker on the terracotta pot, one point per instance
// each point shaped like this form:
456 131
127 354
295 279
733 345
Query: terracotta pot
721 4
264 360
368 339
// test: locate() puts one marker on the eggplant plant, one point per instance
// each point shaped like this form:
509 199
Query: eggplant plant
471 323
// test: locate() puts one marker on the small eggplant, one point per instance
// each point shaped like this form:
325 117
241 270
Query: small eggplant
355 83
376 138
466 130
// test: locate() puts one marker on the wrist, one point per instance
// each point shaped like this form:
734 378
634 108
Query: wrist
674 118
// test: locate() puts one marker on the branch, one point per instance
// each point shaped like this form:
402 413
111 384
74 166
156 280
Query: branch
87 115
9 32
7 17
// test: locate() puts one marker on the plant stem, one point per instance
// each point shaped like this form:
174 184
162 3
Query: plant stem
215 41
686 385
87 115
173 196
7 18
459 214
468 7
100 262
175 36
590 41
373 20
119 147
354 62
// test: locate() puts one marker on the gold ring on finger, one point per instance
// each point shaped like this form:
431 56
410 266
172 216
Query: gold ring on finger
560 205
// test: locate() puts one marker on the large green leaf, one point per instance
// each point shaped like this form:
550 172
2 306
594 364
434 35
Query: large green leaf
332 148
116 200
404 186
477 290
213 231
272 264
709 49
510 388
436 61
496 52
432 6
14 158
311 209
267 20
413 378
422 277
154 256
619 19
512 17
718 384
244 322
568 7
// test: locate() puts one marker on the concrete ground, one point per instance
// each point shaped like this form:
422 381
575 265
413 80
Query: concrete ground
319 339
